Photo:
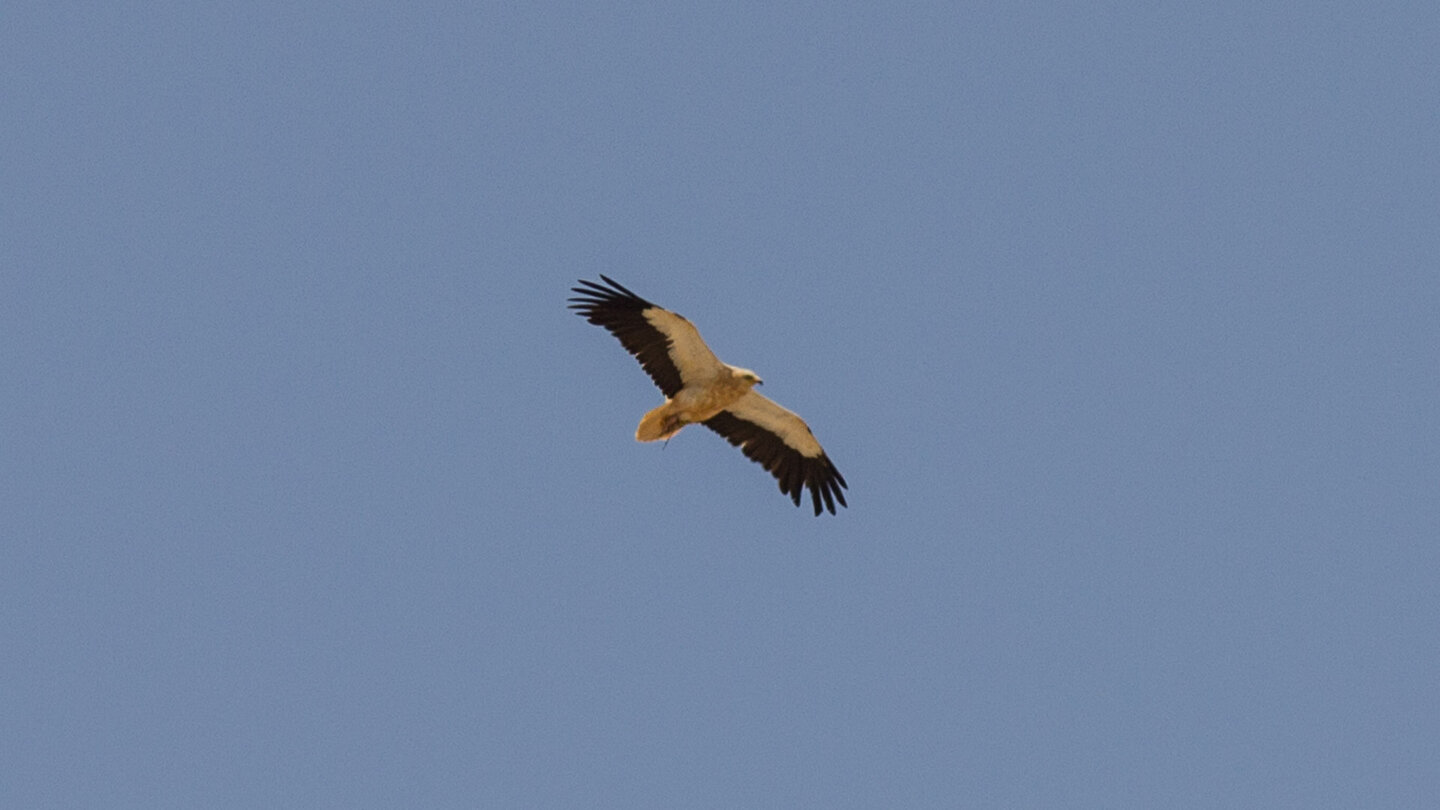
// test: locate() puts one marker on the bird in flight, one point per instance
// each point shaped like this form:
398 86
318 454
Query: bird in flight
700 388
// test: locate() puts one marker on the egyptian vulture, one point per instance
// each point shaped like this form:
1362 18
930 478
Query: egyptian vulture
700 388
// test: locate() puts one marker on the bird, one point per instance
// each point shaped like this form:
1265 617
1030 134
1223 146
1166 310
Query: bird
698 388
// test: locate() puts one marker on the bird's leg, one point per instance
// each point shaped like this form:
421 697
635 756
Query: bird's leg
673 423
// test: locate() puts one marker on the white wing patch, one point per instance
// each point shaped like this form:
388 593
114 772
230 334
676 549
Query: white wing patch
692 358
769 415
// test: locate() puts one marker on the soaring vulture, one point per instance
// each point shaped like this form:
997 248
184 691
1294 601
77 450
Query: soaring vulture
700 388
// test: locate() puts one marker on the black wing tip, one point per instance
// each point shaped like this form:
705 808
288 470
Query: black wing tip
592 298
613 283
610 289
824 482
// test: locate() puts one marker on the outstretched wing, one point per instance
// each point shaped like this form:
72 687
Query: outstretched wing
781 442
668 347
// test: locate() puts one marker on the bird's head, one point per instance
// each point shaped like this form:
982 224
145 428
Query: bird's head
747 375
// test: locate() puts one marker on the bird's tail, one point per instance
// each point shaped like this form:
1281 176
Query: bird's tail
661 423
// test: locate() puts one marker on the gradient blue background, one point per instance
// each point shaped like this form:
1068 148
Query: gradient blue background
1122 321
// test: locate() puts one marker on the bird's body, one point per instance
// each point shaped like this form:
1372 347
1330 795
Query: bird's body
700 389
695 402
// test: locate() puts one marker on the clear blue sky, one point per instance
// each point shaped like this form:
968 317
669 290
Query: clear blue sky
1121 320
